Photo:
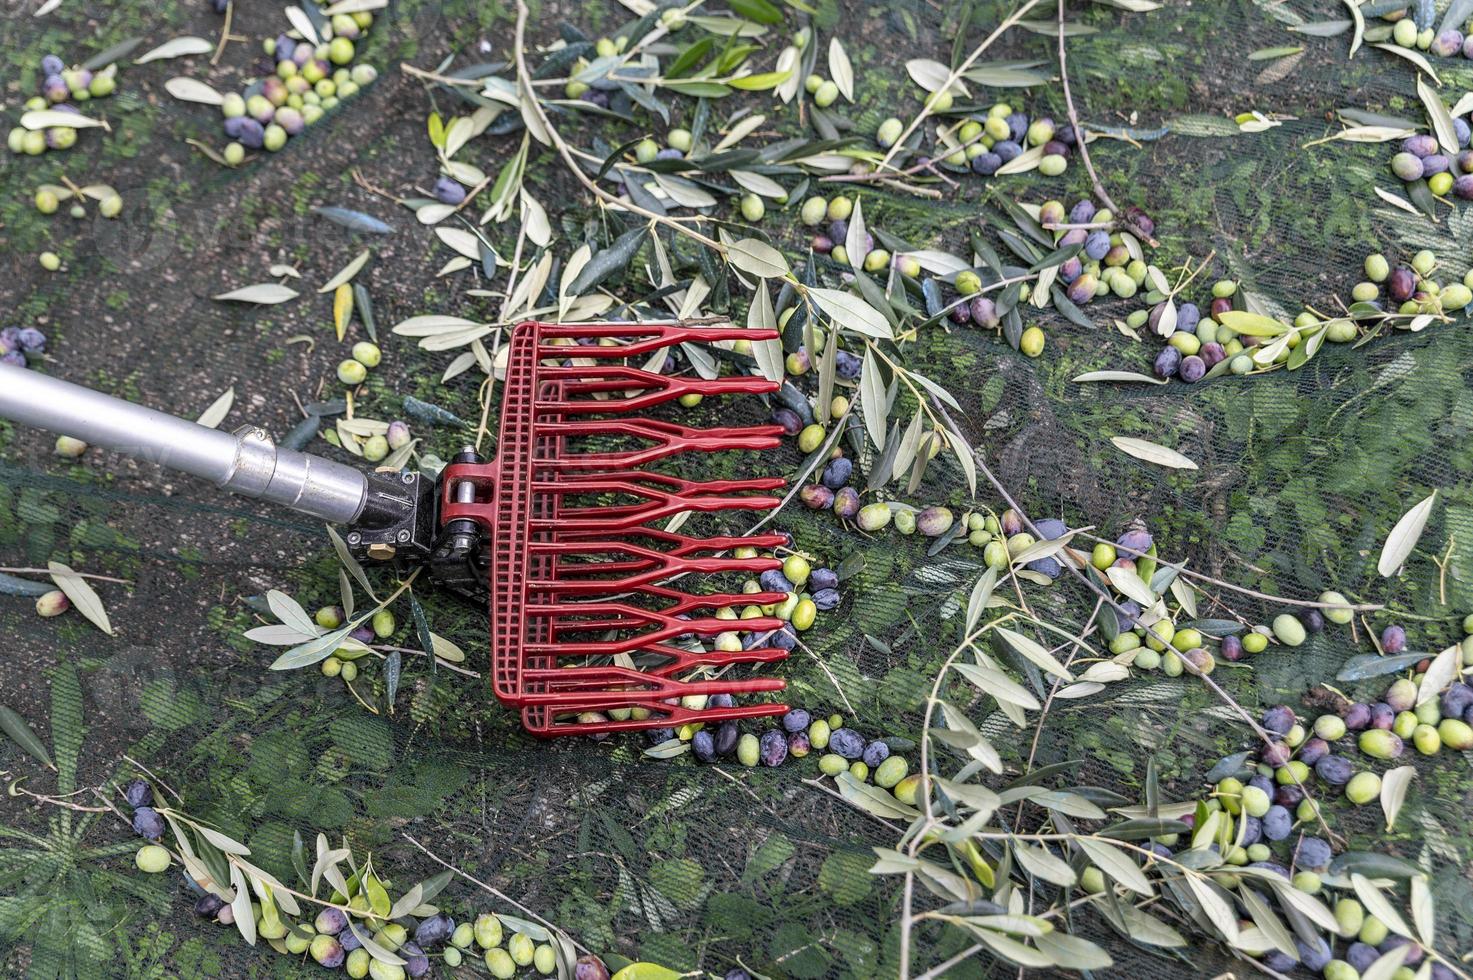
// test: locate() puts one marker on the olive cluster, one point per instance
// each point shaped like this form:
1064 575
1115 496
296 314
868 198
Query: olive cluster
799 733
1421 158
344 660
307 82
332 942
60 87
19 344
1410 31
987 143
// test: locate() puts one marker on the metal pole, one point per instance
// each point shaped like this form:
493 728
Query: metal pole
246 461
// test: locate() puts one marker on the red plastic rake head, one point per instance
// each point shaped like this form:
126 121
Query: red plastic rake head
585 613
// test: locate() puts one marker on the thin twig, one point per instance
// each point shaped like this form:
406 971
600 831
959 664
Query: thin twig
534 106
47 571
488 888
1083 145
956 73
1182 569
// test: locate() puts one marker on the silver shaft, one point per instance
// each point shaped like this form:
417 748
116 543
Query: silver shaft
246 461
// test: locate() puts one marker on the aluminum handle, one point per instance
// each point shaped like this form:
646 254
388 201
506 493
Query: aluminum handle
246 461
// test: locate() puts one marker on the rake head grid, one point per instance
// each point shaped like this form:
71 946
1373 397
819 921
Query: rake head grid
586 610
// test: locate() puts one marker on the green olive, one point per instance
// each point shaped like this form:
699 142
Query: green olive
1363 788
749 750
351 372
1031 343
367 354
752 207
832 765
152 858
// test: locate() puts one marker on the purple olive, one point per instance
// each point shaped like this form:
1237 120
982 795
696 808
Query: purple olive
1420 145
1434 163
1168 362
1400 285
449 191
984 312
1141 220
822 244
1082 290
789 420
1313 750
1393 638
1193 368
1463 185
846 502
1357 717
816 496
986 163
1448 43
1070 270
1232 649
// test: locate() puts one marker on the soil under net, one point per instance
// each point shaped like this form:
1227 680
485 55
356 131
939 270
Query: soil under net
708 867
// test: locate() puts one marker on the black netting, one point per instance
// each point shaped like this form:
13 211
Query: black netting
1301 474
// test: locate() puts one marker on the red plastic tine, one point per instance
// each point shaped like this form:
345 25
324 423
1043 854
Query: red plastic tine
548 722
684 495
656 565
638 685
668 437
657 388
571 580
658 335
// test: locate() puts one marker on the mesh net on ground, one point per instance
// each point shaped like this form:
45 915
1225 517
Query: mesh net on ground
706 867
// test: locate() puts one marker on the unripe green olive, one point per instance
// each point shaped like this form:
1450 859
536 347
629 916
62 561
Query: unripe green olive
814 210
1032 341
749 750
889 132
752 207
152 858
810 438
1363 788
375 448
351 372
680 139
367 353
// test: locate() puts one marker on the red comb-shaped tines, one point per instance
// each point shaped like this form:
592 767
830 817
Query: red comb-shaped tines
669 439
550 722
609 378
578 577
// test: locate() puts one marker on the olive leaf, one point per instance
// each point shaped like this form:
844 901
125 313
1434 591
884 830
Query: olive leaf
1443 670
1394 792
265 294
1128 376
1404 536
852 313
757 258
1377 904
1152 453
1438 116
840 69
178 47
353 220
211 417
346 274
188 90
81 594
24 736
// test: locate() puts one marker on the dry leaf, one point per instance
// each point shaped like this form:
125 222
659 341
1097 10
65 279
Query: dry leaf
264 293
1403 538
81 594
1152 453
215 414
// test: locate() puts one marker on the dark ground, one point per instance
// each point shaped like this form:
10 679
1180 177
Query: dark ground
1302 475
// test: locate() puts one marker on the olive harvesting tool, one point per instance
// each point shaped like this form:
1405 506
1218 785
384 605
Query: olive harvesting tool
556 534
